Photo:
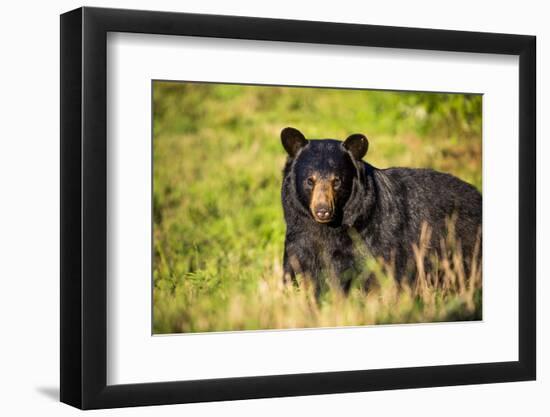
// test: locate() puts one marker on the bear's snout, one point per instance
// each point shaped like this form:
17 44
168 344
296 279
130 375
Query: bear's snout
322 201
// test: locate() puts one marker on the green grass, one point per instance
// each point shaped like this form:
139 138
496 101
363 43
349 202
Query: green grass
218 223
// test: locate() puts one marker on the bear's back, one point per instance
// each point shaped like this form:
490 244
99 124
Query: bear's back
435 190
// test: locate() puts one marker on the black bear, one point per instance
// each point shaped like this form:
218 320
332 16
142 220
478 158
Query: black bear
330 195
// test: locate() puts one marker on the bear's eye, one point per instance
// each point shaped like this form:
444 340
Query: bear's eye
336 182
310 181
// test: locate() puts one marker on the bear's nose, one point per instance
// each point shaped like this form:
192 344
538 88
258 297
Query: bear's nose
323 213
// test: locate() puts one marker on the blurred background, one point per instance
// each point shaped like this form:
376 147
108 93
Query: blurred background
218 223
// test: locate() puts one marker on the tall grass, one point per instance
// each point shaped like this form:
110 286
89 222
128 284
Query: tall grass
218 224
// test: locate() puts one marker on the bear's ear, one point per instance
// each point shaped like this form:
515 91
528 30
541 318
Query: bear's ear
358 145
293 140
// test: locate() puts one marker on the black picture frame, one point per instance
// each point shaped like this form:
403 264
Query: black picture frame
84 207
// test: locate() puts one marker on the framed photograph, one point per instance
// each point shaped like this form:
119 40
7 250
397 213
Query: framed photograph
257 208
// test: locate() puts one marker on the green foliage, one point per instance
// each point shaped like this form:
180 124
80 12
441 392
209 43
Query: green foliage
218 223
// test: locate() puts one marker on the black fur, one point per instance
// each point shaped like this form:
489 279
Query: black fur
386 207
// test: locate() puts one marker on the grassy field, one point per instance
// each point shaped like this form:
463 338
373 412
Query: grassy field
218 222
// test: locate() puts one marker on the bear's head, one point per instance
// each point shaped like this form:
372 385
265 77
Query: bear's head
324 172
